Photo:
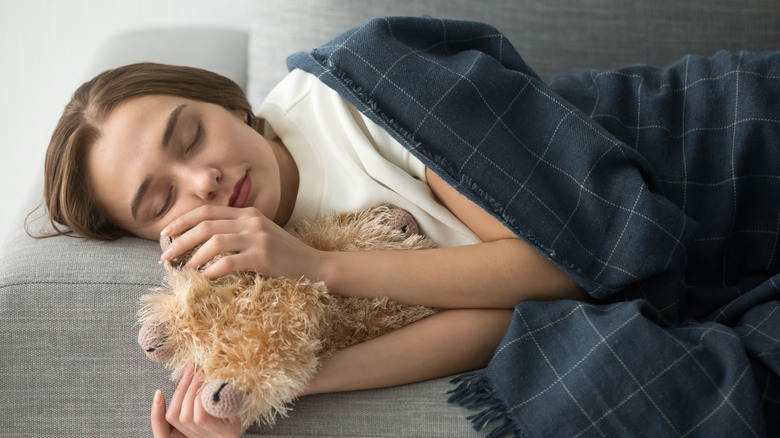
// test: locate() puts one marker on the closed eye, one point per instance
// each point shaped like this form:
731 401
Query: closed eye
168 201
196 139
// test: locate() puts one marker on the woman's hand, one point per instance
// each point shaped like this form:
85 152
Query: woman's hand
186 417
253 242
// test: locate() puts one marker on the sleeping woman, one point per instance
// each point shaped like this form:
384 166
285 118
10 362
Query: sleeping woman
150 149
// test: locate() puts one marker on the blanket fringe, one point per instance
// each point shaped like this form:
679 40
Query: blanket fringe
474 391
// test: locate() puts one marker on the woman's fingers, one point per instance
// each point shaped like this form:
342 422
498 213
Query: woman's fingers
187 415
248 240
206 212
160 427
203 223
173 415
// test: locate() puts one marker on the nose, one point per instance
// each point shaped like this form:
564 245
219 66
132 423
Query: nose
205 183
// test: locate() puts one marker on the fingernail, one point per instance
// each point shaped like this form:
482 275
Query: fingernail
158 397
167 254
165 231
188 373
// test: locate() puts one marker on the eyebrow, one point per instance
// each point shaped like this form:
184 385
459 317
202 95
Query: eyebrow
139 195
166 139
172 119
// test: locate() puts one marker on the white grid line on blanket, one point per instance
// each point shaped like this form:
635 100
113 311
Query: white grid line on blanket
756 329
539 158
672 135
774 244
633 377
519 338
683 149
638 112
726 396
565 226
727 400
599 74
623 232
733 163
765 392
576 364
559 378
730 180
630 396
441 98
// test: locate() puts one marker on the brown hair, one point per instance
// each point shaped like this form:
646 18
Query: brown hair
67 191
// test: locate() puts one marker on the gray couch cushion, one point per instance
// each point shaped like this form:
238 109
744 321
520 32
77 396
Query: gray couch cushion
554 36
71 366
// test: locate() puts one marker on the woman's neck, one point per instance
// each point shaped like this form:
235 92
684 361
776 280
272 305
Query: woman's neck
288 176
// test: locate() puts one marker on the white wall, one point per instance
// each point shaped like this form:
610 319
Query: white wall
45 48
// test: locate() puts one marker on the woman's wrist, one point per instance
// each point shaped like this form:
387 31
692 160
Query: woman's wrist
325 267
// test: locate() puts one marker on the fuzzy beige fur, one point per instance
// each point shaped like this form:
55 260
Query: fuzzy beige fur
259 340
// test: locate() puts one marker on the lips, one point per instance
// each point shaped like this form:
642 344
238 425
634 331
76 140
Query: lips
241 192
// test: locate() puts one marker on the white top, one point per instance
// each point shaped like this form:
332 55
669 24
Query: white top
346 162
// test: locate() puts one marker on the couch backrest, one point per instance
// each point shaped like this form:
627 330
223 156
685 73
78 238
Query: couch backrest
554 36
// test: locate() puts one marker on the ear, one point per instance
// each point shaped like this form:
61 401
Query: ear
246 116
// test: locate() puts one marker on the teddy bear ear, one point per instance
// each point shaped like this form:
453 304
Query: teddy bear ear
403 221
165 242
178 262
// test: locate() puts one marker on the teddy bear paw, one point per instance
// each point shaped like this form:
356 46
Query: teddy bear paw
403 221
222 399
152 339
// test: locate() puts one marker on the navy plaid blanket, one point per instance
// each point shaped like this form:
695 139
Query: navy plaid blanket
656 189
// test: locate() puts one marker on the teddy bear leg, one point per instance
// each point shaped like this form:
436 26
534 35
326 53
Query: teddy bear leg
222 399
403 221
152 339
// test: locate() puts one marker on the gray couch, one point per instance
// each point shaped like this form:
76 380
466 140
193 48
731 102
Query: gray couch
69 363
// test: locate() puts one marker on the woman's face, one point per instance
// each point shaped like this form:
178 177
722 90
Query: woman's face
161 156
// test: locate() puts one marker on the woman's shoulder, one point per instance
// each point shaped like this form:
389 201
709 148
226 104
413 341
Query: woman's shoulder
291 90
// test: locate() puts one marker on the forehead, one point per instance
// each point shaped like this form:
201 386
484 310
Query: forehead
147 108
128 149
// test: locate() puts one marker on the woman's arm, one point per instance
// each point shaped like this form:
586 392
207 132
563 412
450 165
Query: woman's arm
447 343
495 274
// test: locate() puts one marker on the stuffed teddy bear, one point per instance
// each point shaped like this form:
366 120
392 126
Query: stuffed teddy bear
259 340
